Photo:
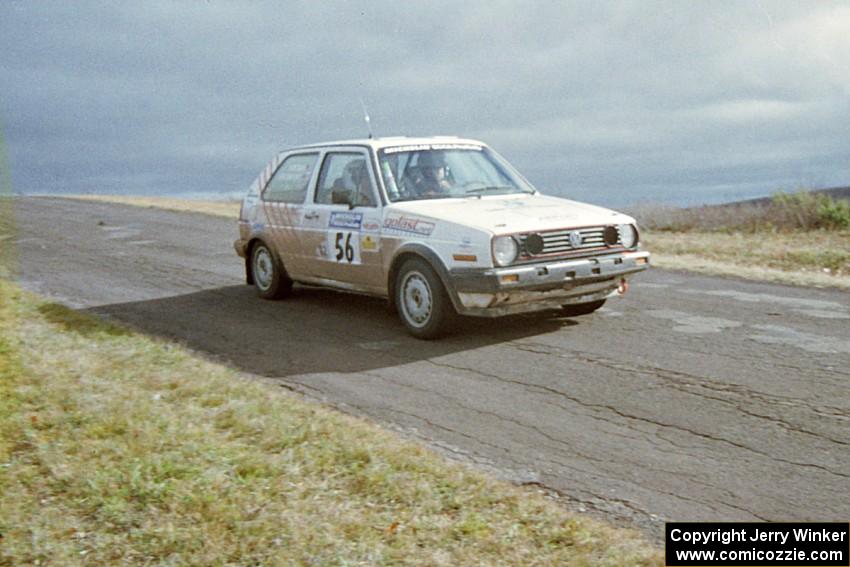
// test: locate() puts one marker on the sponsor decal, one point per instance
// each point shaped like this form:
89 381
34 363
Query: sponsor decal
423 147
410 225
456 147
398 149
369 243
350 221
371 226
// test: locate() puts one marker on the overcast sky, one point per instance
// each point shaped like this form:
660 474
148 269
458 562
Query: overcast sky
616 103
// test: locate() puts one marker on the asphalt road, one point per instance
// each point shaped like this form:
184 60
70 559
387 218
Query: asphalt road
692 398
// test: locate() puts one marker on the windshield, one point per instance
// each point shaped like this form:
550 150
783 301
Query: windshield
440 171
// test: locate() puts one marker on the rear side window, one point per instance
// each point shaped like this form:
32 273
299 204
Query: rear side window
289 183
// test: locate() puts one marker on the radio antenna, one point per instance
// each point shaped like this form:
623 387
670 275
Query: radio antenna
366 118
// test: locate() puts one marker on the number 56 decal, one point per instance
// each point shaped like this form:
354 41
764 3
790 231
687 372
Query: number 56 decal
344 246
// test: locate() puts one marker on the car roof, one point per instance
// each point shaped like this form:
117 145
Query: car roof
391 141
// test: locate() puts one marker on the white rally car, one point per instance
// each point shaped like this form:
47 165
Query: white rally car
440 226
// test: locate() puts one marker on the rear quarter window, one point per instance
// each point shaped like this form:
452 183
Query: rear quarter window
290 181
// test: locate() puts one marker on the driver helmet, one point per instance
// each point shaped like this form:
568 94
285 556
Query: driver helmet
431 159
429 162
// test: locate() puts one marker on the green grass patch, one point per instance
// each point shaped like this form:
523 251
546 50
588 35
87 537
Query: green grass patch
116 448
807 211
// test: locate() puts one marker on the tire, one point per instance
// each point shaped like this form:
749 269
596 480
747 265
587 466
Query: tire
270 278
574 310
422 302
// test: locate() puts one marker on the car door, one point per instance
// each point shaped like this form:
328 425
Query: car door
283 200
341 224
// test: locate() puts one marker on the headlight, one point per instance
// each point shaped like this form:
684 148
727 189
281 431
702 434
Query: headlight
505 250
628 235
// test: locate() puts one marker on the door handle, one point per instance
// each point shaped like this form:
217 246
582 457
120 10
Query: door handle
311 215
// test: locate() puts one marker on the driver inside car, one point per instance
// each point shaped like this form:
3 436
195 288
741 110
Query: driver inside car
432 175
354 186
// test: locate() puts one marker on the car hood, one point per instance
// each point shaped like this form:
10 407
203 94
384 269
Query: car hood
505 214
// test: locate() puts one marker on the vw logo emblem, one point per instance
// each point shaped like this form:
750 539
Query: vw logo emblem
575 239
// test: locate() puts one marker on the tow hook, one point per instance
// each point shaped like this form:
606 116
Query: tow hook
623 287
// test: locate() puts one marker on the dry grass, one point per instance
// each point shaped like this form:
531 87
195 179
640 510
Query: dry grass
229 209
119 449
814 258
799 238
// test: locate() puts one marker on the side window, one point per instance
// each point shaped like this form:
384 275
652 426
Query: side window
345 179
289 183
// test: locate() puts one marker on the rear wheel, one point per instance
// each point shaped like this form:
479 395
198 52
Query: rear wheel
270 278
423 303
574 310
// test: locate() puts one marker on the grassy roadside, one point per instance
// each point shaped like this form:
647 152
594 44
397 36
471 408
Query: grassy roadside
118 448
811 258
799 257
800 238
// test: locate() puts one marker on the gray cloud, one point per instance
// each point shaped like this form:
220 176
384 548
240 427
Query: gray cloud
616 103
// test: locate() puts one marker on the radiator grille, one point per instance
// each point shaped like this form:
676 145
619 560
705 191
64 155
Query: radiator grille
559 241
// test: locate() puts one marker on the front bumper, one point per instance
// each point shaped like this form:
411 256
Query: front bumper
544 285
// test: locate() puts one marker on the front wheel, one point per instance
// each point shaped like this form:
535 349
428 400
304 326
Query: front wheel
270 278
423 303
573 310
